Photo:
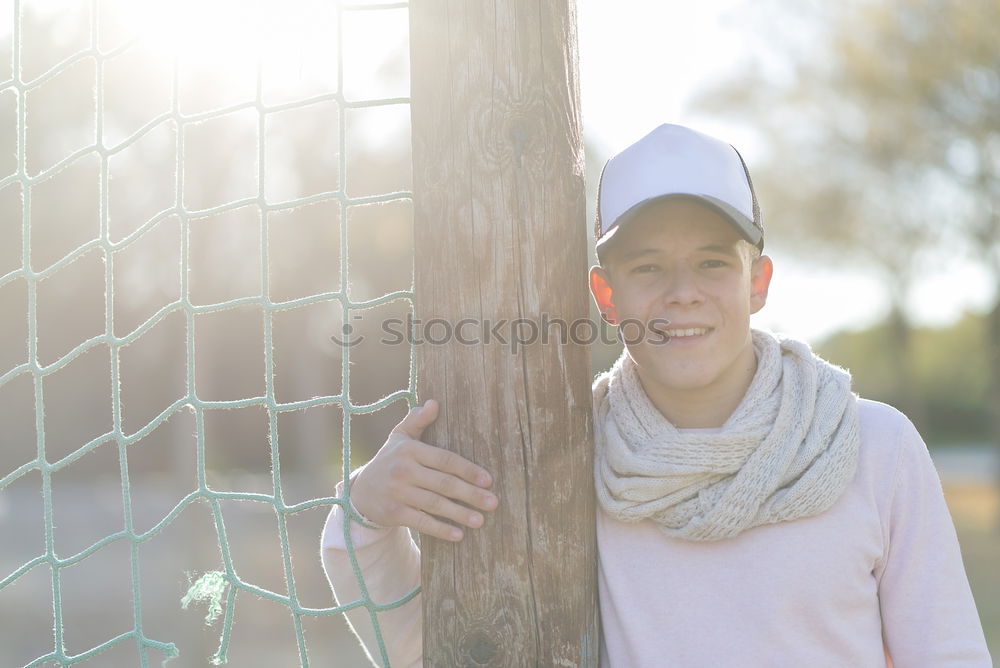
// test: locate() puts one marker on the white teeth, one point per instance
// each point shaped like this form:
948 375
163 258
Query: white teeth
677 333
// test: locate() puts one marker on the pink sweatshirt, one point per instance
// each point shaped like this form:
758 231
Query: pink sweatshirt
879 573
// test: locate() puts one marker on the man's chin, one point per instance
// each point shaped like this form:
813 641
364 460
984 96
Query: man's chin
671 379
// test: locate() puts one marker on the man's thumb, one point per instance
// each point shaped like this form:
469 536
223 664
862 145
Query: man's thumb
418 419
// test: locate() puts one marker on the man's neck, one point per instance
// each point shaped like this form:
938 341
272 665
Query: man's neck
708 407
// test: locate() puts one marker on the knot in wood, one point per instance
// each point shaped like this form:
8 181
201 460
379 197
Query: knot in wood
511 127
519 134
480 648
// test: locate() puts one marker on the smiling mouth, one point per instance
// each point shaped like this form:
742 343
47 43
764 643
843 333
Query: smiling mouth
684 333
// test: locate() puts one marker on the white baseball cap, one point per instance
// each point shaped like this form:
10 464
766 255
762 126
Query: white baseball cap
673 160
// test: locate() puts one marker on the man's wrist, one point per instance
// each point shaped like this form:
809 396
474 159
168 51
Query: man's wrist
362 520
356 514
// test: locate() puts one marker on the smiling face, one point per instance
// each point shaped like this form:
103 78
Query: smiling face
680 262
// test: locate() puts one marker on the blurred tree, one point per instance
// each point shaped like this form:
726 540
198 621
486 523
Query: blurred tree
952 384
882 126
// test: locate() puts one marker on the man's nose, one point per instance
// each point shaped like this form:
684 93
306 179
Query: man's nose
681 287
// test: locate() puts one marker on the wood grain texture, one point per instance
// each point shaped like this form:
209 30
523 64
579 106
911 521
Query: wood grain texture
500 235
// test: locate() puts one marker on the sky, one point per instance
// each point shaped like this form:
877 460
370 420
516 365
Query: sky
641 63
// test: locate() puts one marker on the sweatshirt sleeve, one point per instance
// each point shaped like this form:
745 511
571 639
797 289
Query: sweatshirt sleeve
929 616
389 562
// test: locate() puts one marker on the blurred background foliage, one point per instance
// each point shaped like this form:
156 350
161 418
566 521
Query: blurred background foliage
949 383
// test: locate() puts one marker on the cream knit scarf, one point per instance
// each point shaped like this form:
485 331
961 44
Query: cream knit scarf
788 450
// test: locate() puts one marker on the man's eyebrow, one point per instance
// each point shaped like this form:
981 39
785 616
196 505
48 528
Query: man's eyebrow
726 249
638 252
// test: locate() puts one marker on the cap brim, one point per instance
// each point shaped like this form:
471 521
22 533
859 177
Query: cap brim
745 226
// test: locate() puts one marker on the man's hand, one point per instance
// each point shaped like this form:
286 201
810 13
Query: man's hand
413 484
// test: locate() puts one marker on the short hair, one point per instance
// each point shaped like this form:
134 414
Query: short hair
753 251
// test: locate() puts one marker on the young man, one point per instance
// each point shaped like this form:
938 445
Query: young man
752 510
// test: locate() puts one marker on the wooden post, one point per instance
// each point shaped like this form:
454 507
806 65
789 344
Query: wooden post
500 243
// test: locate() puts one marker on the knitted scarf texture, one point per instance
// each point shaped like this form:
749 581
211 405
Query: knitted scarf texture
788 450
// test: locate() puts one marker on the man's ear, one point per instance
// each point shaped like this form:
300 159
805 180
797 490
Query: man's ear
760 279
600 288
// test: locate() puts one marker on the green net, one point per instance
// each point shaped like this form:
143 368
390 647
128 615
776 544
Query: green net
24 104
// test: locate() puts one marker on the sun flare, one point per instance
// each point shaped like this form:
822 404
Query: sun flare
288 42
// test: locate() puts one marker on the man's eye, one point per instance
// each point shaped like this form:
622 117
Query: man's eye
645 269
714 264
